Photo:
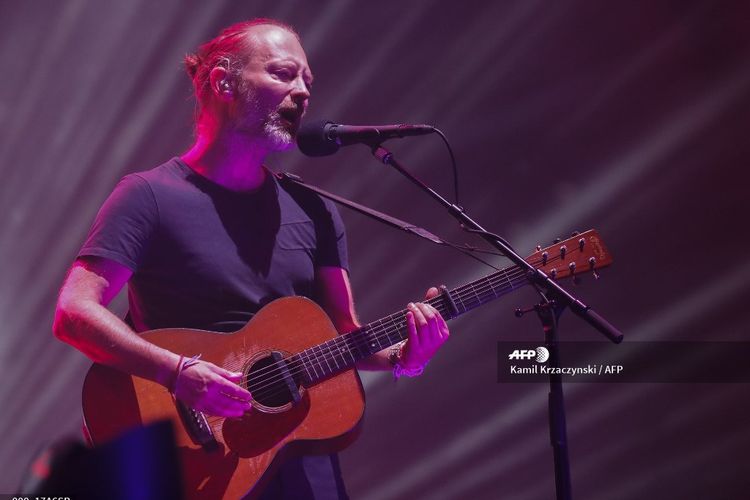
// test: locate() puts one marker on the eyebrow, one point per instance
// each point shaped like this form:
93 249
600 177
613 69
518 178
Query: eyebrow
306 72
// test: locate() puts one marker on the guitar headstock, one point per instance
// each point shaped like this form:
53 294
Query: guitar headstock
577 255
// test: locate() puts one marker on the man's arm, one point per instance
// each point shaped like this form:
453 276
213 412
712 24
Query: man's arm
427 330
82 320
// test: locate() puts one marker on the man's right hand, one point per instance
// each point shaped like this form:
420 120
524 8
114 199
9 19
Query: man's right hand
212 389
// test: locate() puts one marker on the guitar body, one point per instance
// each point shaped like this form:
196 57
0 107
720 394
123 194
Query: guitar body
243 453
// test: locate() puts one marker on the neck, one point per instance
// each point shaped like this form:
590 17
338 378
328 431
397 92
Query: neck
227 157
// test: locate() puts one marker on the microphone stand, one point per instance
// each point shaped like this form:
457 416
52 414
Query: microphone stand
554 301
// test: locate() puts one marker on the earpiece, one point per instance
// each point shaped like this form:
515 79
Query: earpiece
225 86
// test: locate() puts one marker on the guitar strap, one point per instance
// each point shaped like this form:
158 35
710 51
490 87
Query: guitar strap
287 178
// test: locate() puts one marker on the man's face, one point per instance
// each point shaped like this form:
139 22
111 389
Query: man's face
274 88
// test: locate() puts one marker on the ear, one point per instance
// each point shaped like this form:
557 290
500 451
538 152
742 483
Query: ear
221 83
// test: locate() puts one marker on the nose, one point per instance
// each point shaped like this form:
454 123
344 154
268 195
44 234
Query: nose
300 93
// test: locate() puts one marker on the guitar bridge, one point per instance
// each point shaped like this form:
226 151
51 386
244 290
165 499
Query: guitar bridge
197 426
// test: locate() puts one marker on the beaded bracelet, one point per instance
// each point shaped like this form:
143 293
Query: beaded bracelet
400 371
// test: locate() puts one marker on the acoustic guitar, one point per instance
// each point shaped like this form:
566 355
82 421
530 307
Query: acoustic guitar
306 395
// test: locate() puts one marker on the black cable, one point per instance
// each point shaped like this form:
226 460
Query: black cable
453 162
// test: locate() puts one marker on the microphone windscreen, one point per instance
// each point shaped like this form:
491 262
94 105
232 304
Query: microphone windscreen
312 139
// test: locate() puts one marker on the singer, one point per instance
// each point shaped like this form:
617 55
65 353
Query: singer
208 238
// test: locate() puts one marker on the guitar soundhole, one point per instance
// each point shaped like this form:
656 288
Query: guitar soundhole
272 382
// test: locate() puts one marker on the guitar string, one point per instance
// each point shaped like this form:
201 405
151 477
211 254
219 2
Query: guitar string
278 386
271 375
518 279
281 390
511 276
365 333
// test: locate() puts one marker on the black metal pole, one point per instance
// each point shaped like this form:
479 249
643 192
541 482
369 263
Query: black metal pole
549 313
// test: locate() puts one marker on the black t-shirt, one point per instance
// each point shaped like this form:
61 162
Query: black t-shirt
207 257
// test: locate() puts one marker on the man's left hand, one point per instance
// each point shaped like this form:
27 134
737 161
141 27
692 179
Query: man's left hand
427 331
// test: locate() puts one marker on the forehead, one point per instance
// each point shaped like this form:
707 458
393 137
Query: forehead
269 42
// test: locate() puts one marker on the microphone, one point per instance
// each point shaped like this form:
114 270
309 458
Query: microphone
323 138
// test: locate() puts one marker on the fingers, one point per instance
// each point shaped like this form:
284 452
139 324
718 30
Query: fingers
426 330
411 326
426 322
233 376
213 390
432 292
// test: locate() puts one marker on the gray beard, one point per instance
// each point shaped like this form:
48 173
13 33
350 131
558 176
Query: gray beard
279 138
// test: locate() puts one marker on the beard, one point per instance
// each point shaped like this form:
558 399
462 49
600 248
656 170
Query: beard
257 118
276 131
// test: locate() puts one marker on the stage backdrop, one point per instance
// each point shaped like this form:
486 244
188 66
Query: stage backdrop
629 117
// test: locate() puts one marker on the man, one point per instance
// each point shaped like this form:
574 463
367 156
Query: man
207 239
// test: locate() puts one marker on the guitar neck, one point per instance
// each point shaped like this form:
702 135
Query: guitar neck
580 253
335 355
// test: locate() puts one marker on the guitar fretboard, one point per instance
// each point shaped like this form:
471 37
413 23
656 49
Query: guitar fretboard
335 355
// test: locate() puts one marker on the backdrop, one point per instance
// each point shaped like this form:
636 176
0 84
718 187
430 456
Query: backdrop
628 117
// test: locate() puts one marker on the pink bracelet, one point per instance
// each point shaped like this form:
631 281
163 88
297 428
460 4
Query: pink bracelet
400 371
182 364
173 383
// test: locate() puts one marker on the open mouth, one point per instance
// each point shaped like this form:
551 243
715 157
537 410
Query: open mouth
290 115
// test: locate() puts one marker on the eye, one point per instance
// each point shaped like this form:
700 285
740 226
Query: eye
284 74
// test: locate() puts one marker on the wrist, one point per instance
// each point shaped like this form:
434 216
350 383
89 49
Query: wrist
183 364
402 368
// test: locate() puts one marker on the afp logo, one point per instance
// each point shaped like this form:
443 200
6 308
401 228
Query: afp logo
541 354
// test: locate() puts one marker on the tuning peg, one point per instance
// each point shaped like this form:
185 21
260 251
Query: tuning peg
581 244
553 273
563 251
538 248
556 241
574 233
592 263
545 256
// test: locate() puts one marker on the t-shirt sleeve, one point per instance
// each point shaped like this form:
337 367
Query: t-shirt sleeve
124 225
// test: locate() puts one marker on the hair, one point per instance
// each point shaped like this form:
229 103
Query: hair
227 50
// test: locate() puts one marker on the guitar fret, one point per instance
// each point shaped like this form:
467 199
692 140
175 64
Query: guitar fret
397 326
333 353
349 350
318 352
325 358
461 301
305 366
492 288
473 290
311 363
396 334
505 273
341 349
373 344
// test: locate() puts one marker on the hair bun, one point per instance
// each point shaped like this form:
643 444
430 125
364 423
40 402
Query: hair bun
192 63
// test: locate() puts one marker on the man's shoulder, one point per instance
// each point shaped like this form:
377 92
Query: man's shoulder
168 172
